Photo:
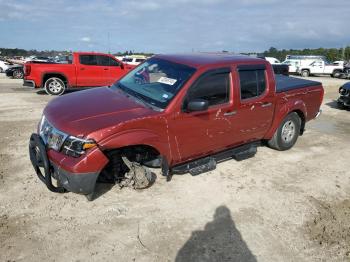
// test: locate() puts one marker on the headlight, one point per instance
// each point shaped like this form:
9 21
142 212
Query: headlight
75 147
60 141
51 136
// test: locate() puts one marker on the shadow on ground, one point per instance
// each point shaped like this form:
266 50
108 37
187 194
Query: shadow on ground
43 92
105 185
219 241
334 104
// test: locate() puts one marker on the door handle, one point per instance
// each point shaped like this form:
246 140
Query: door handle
266 104
105 68
82 68
230 113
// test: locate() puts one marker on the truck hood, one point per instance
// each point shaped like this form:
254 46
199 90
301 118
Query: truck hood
81 113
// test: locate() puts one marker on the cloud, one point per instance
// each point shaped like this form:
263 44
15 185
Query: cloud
85 39
174 26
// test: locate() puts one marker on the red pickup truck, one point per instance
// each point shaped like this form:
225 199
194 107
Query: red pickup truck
182 113
81 70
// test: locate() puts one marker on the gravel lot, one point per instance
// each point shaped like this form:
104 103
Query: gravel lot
277 206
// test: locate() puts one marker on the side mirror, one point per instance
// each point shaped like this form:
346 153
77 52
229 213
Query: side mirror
121 65
197 105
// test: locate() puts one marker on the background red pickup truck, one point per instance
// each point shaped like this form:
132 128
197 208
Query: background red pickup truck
82 70
183 113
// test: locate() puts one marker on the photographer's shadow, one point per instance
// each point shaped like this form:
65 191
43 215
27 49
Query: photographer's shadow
219 241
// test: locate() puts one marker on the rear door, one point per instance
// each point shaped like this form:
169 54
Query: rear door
255 98
112 69
89 73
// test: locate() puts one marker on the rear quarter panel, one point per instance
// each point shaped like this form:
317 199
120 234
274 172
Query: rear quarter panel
306 101
38 72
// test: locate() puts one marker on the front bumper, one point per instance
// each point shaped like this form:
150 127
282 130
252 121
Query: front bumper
71 174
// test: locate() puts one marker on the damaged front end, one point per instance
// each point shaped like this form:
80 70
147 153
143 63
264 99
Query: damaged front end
67 163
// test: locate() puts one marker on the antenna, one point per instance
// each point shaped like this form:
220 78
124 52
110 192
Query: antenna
109 47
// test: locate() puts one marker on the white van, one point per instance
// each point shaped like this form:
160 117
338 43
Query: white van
297 61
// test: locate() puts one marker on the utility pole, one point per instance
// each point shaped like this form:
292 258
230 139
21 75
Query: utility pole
109 47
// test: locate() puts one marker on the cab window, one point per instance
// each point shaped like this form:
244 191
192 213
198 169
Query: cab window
88 59
252 83
103 60
212 86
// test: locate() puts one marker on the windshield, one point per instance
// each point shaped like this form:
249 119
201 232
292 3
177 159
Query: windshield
155 82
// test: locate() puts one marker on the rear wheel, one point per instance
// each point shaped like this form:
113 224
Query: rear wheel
1 70
17 74
287 133
54 86
336 73
305 73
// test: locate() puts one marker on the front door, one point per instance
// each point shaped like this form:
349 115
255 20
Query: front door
202 132
317 67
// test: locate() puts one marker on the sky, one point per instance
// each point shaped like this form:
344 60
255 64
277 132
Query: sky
170 26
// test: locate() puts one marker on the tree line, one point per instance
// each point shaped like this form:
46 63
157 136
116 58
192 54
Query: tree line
11 52
332 54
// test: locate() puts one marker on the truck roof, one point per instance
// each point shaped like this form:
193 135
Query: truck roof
202 59
90 53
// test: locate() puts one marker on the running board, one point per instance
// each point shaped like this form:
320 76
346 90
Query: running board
207 164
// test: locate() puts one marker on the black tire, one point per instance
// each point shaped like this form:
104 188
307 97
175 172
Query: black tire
287 133
17 74
305 73
54 86
336 73
1 70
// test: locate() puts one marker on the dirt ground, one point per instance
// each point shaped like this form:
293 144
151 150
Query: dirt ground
277 206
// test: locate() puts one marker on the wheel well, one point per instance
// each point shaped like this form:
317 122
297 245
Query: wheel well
115 170
302 118
138 153
47 76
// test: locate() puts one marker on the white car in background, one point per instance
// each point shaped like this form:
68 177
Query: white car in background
272 60
293 65
3 66
133 60
321 68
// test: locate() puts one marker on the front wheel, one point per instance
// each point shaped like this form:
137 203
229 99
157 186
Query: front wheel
54 86
287 133
1 70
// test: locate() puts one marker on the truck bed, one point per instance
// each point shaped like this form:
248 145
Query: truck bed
286 83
